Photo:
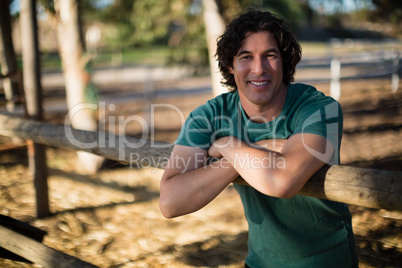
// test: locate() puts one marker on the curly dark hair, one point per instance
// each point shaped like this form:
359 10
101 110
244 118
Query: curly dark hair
256 21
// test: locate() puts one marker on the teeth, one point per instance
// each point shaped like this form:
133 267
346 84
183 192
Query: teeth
259 83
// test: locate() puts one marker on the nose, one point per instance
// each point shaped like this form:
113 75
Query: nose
260 65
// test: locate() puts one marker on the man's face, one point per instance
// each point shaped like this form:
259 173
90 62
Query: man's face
257 69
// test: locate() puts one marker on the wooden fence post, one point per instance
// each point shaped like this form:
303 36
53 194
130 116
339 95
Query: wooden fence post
149 95
335 89
33 97
395 74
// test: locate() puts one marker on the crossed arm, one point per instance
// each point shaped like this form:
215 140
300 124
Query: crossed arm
188 184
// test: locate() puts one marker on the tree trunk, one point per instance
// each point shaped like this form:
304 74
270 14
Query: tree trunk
8 61
76 77
33 97
214 27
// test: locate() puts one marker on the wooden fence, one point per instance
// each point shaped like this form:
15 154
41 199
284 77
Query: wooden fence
22 244
358 186
37 252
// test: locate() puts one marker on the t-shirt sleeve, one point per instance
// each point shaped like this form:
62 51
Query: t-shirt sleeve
197 130
324 118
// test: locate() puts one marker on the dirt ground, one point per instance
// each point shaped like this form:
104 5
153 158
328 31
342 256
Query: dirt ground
112 219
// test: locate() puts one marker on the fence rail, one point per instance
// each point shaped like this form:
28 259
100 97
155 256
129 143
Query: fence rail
358 186
37 252
380 64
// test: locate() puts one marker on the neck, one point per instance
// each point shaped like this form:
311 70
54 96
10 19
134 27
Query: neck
268 112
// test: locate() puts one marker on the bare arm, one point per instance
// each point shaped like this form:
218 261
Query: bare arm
274 145
282 173
188 184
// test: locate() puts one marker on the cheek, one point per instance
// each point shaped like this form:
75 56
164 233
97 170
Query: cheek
239 70
279 66
277 70
276 65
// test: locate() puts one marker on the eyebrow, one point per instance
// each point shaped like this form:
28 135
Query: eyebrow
267 51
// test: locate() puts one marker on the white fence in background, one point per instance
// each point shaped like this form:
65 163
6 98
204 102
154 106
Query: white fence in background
358 65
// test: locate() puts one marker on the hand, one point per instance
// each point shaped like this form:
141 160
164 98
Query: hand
221 144
214 152
269 144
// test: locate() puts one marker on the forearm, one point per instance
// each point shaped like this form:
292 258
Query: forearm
187 192
260 168
282 173
274 145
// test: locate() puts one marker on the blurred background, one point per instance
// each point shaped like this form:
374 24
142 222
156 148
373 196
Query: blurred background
125 56
170 32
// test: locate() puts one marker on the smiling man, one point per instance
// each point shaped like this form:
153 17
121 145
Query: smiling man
275 135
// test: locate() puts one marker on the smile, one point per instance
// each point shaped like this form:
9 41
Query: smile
258 83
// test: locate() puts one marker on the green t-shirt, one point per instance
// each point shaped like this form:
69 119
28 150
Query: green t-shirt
296 232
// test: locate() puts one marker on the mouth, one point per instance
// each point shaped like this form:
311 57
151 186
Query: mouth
259 83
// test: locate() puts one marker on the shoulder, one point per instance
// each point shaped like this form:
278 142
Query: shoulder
312 108
308 94
303 92
308 98
316 113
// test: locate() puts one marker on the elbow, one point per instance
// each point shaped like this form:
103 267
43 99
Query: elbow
166 207
280 187
285 193
166 211
167 204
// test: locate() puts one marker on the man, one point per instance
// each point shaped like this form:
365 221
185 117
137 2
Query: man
273 134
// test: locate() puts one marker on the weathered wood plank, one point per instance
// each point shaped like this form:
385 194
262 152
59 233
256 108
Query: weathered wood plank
23 229
109 145
37 252
359 186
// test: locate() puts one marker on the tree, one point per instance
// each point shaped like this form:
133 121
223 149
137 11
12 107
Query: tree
117 16
177 24
388 10
7 60
76 76
215 26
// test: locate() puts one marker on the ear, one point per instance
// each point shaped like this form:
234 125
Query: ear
231 70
